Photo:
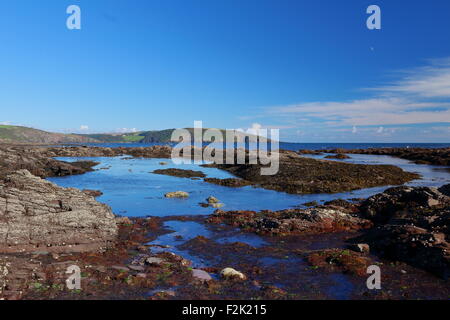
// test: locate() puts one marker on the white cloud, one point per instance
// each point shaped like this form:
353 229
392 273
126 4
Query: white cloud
380 130
419 96
126 130
84 127
379 111
432 81
256 126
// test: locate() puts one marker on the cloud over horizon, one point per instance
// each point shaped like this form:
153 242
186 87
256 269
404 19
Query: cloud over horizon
420 96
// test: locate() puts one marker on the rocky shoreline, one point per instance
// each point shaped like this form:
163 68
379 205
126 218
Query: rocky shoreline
301 175
45 228
433 156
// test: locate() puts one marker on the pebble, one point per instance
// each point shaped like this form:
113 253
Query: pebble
201 275
136 268
154 261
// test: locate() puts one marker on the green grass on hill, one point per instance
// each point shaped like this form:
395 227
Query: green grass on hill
132 138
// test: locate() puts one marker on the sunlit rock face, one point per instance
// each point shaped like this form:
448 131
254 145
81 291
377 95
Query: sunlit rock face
35 214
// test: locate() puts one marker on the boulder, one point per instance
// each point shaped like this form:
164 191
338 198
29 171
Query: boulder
232 273
212 199
177 194
416 246
394 202
201 275
153 261
36 214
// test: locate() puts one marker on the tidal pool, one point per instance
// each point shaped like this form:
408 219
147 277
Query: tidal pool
131 189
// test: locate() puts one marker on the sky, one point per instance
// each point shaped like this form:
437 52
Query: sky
311 69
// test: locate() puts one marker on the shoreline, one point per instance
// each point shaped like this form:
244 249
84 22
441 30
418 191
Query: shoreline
122 267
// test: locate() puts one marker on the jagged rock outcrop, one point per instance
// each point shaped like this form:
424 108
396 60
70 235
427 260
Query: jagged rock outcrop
401 203
292 221
435 156
301 175
413 226
35 214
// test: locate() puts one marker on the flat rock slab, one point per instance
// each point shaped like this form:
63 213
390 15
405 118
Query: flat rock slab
37 215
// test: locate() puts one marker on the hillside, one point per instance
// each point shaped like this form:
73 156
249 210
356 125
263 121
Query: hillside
162 136
17 134
141 136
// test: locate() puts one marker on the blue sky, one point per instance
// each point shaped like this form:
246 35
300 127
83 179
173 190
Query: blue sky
310 68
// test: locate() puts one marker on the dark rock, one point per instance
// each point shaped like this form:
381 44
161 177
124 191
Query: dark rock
338 156
181 173
415 227
399 202
445 190
416 246
291 221
360 247
229 182
435 156
306 175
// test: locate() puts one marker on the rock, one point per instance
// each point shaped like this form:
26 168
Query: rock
229 182
360 247
394 202
101 269
311 204
436 156
292 221
201 275
123 220
338 156
346 261
212 199
299 175
136 268
163 163
40 253
93 193
306 151
16 274
232 273
177 194
163 293
445 190
413 227
37 213
432 202
416 246
154 261
181 173
120 268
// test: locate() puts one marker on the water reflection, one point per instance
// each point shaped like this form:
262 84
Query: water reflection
131 189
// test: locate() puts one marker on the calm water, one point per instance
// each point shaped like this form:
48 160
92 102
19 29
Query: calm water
131 189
